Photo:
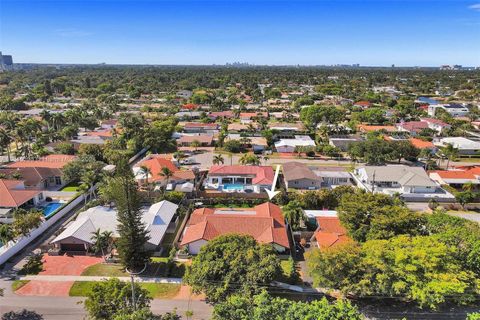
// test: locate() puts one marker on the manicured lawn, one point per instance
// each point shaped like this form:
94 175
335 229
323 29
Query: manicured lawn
156 269
17 284
156 290
71 187
104 269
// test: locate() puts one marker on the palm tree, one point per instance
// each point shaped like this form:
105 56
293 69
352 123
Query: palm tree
217 159
98 242
5 141
450 152
146 172
83 188
249 159
167 174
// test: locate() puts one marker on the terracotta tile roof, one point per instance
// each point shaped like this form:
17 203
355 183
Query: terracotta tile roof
220 114
201 125
13 194
435 121
32 176
264 222
367 128
413 126
249 115
330 232
50 161
262 174
155 165
363 103
421 144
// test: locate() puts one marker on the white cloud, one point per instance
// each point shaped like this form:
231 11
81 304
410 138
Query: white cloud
475 7
72 33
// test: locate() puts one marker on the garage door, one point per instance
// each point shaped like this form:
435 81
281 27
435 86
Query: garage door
73 247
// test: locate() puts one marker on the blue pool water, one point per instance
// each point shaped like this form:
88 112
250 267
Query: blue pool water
427 100
51 208
233 186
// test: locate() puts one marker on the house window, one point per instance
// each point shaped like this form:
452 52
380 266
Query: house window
248 180
58 181
214 180
40 196
227 180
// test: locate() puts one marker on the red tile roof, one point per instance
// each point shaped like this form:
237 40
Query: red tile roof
330 232
50 161
368 128
421 144
264 222
13 195
201 125
413 126
262 174
363 103
155 165
435 121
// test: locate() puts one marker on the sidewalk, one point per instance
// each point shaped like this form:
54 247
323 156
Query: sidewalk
55 278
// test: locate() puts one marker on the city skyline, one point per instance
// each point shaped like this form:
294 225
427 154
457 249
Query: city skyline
372 33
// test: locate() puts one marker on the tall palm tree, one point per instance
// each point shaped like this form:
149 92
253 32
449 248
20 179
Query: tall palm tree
5 141
167 174
249 159
266 158
217 159
450 152
146 172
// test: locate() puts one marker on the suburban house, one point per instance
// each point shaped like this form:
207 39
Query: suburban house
458 177
412 127
264 222
197 127
409 182
364 128
78 235
13 195
241 127
221 114
422 144
44 173
238 178
362 104
455 110
257 144
203 140
343 143
36 177
155 163
298 175
465 146
333 176
246 117
435 124
289 145
330 231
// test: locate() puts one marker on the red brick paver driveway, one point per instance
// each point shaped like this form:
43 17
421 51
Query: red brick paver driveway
67 265
45 288
58 265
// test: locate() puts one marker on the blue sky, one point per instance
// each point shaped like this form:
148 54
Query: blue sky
404 33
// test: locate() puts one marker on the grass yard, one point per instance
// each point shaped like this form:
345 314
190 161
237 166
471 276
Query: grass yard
156 290
286 276
17 284
104 269
71 187
157 268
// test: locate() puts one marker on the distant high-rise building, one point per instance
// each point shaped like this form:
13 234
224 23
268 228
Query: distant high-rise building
6 62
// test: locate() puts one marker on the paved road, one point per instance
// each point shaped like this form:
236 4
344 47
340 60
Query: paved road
71 308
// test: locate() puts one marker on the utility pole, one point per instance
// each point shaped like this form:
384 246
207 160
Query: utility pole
132 277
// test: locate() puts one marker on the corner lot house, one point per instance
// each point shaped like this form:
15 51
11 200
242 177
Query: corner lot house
298 175
330 231
409 182
264 222
78 235
239 178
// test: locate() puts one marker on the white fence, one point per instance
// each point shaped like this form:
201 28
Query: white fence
13 247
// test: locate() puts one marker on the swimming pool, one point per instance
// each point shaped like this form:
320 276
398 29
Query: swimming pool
51 208
233 187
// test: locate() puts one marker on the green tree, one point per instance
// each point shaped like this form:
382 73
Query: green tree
24 221
132 234
265 307
232 263
218 159
112 297
6 234
293 213
249 159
